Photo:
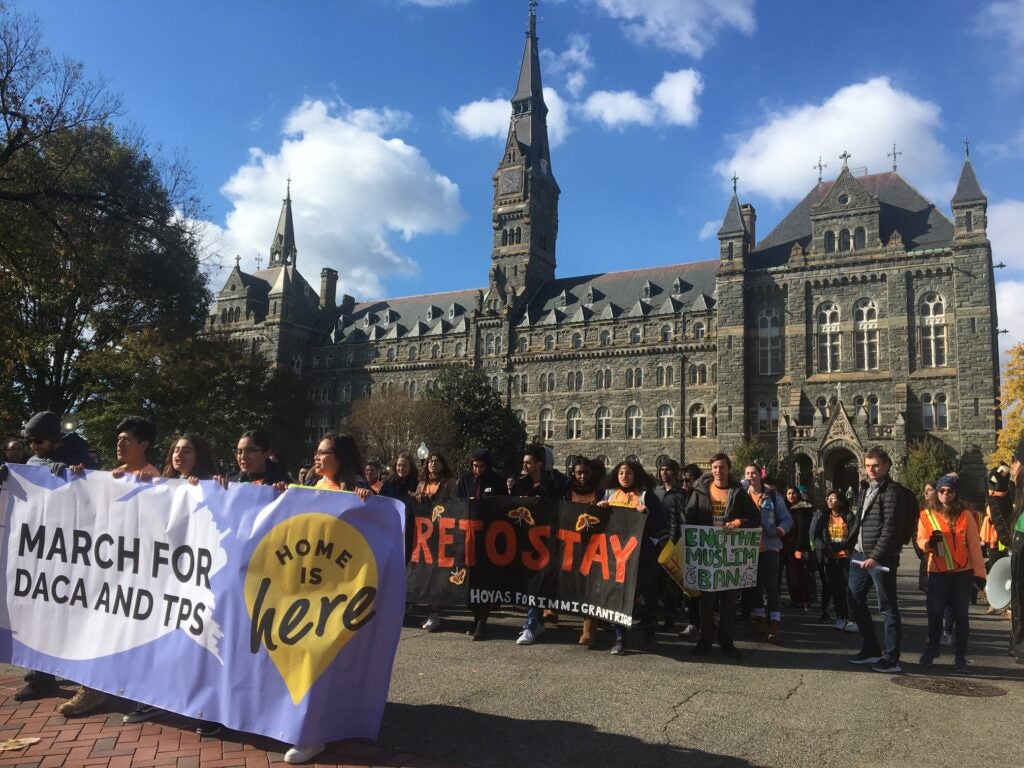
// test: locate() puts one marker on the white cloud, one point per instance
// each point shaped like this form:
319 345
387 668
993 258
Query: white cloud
573 63
710 229
1006 233
681 26
489 118
775 158
1011 149
673 101
1008 293
355 188
1005 19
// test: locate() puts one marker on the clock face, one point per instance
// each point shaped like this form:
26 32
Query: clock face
510 182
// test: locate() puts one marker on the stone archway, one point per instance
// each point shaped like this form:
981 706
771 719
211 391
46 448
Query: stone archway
803 470
842 470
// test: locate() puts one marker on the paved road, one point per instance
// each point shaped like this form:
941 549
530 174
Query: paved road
495 704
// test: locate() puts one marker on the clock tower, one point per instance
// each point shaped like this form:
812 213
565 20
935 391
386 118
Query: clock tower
525 210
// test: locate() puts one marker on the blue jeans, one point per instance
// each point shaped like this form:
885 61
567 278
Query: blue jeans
949 593
861 582
767 585
534 618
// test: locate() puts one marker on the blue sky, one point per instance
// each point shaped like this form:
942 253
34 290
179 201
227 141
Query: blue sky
390 116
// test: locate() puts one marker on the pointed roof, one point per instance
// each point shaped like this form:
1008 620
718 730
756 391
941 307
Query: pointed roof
967 189
282 249
733 223
529 71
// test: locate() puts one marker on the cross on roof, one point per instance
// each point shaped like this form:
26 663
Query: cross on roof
894 154
238 260
844 157
259 261
735 178
839 391
967 149
288 193
820 166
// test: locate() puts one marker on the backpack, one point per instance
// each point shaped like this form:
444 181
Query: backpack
911 513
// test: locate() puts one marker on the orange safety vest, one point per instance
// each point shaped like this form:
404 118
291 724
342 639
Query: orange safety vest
955 556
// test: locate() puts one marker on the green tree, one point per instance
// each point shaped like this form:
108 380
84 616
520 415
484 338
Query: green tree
754 452
97 237
481 419
195 384
385 426
927 460
1011 398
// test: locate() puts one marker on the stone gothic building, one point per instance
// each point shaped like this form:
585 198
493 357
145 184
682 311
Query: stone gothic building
865 317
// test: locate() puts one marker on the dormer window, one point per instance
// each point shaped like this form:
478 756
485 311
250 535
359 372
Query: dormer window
677 286
591 297
645 293
451 312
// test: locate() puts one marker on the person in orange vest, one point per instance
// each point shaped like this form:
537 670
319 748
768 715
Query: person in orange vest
948 534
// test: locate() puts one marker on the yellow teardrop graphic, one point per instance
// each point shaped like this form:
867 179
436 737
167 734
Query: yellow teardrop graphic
310 586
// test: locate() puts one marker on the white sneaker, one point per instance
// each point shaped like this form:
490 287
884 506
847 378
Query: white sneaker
947 638
529 636
851 626
433 622
690 631
840 624
303 754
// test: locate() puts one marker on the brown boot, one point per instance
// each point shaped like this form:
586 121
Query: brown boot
84 701
587 636
551 617
775 632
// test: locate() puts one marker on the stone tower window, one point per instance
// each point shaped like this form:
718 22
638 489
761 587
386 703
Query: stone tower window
829 340
634 336
865 339
659 377
666 334
526 383
435 351
698 330
634 422
573 424
522 344
489 344
414 353
932 334
666 421
830 242
844 240
969 221
606 338
859 238
669 375
547 427
460 349
549 343
603 418
769 342
577 340
698 421
768 416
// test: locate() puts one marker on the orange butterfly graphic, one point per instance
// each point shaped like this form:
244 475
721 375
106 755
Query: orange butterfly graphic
522 515
436 512
586 521
457 577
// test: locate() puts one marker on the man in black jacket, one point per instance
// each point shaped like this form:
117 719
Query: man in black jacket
719 500
875 540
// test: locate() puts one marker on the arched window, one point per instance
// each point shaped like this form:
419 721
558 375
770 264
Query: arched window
549 343
577 341
316 361
629 378
932 311
669 375
435 351
579 381
769 342
666 334
413 353
822 405
551 382
543 383
606 338
297 363
412 389
634 336
859 238
941 412
762 416
773 415
829 340
702 374
634 424
519 235
523 344
865 335
489 344
603 419
525 384
659 377
607 378
570 381
521 415
698 330
844 240
873 412
927 413
599 379
693 374
504 237
830 242
698 421
547 428
666 421
460 349
573 425
224 315
638 378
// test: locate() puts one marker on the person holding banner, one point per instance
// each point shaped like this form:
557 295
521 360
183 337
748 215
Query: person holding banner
254 462
829 532
401 480
189 458
949 536
630 486
775 523
720 501
583 489
436 483
338 465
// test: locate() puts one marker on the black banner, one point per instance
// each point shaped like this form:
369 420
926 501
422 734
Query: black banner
525 552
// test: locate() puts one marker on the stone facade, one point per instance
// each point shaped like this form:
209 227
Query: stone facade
865 317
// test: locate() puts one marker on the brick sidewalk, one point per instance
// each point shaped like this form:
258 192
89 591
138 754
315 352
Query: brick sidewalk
102 740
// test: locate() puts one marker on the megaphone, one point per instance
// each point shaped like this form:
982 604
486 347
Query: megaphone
997 588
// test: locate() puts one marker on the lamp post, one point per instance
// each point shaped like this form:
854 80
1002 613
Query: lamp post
422 453
68 426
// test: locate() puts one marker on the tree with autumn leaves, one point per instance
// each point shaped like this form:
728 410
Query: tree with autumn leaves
1012 401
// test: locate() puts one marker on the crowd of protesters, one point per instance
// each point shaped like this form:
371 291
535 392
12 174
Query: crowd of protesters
833 554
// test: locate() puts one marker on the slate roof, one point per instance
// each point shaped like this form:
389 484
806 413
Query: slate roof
424 315
968 190
902 208
733 221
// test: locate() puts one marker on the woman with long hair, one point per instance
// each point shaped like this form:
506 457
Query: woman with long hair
189 457
255 464
584 488
436 483
629 485
948 534
401 480
830 532
338 464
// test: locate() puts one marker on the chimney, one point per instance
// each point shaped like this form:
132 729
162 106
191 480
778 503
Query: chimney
328 288
749 221
348 304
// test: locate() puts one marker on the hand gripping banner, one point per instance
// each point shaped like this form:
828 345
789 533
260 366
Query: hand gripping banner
272 614
526 552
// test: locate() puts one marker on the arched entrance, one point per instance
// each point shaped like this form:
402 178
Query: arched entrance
842 470
803 470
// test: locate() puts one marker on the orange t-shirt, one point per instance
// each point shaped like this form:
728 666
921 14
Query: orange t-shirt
719 499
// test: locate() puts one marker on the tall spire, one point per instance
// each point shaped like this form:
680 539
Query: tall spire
529 71
282 250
